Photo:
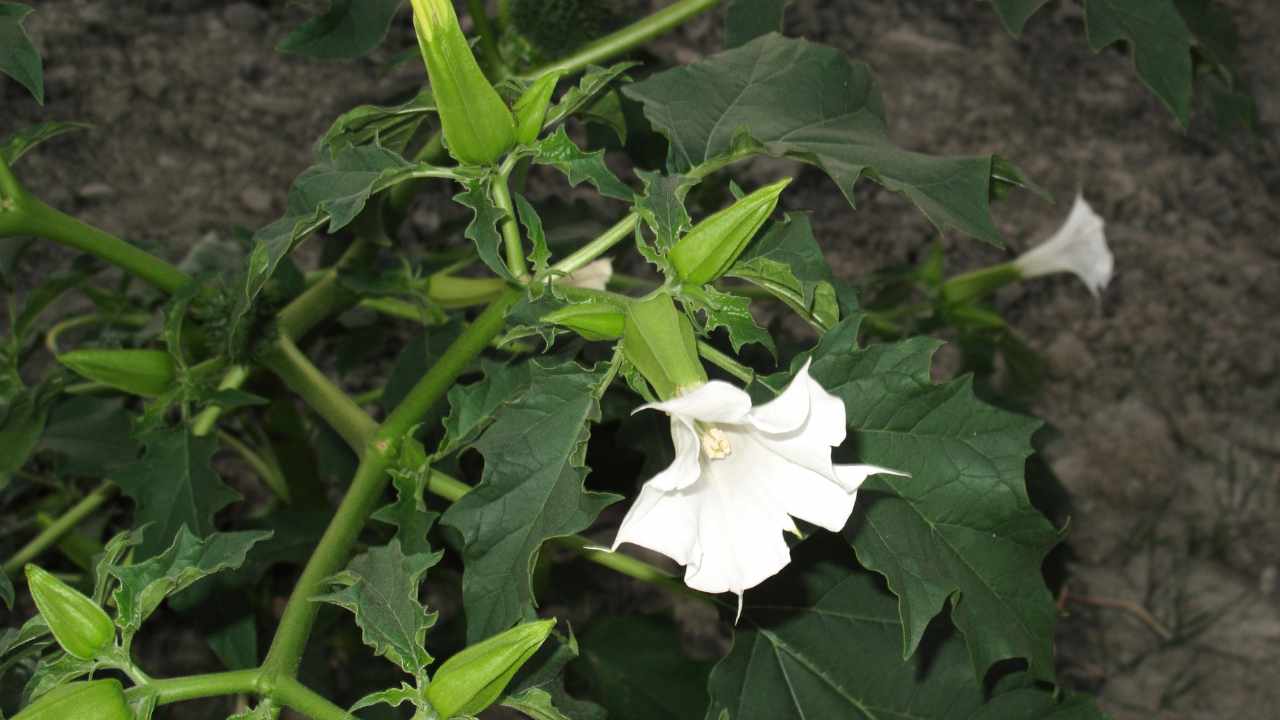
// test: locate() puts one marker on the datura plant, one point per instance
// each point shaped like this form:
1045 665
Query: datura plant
675 405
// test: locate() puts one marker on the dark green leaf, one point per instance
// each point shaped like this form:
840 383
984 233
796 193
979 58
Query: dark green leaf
746 20
380 587
593 82
236 643
483 230
331 192
961 528
636 669
349 29
390 127
792 98
90 436
18 57
1158 39
531 491
6 593
662 206
172 487
560 152
409 513
19 143
794 654
728 311
788 263
540 254
143 586
57 669
1037 704
472 407
22 422
1015 13
395 697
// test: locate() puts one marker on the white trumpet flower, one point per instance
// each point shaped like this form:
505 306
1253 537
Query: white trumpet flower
1078 247
594 275
740 475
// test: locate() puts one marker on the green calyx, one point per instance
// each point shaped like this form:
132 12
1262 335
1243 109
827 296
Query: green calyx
82 700
712 246
139 372
473 679
531 109
592 320
478 128
973 285
78 624
658 340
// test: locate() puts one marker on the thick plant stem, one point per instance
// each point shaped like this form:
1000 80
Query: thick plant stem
30 216
194 687
635 34
378 451
726 363
60 527
299 697
330 402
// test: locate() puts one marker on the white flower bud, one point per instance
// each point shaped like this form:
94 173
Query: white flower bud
1078 247
592 276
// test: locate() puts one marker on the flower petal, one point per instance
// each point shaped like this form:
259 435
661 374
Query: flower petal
665 522
740 541
788 411
713 402
851 477
683 471
801 492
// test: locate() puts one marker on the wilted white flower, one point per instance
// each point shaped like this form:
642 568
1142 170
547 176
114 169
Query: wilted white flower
592 276
740 475
1078 247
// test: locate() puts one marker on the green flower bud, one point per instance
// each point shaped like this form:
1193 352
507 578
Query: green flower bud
592 320
82 700
77 623
141 372
471 680
658 339
712 246
449 291
478 128
531 108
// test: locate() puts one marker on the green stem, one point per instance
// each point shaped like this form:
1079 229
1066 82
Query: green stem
510 228
194 687
293 694
377 451
329 401
726 363
232 379
33 217
51 337
60 527
269 472
977 283
638 33
327 296
620 231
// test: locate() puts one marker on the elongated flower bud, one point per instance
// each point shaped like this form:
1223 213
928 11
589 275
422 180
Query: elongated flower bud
77 623
595 275
1078 247
471 680
140 372
82 700
659 342
478 128
591 320
712 246
531 108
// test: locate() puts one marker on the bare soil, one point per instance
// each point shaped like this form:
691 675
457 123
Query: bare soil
1165 393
